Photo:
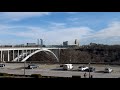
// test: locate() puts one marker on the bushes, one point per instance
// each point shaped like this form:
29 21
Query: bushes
76 77
4 74
36 75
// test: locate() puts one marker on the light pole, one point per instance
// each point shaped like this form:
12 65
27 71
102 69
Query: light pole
24 67
89 69
70 58
89 64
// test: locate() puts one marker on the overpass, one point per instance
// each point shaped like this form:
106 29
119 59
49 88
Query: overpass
22 54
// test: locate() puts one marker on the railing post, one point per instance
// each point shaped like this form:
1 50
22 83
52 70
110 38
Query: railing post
1 55
13 54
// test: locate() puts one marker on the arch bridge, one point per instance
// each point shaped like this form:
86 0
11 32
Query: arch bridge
22 54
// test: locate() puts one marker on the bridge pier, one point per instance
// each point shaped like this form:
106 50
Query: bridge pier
8 56
3 58
18 55
13 54
1 55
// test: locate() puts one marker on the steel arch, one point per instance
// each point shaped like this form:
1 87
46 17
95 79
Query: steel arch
37 52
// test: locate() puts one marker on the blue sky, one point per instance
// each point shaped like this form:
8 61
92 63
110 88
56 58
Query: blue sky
56 27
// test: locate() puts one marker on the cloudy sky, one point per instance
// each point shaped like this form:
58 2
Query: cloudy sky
56 27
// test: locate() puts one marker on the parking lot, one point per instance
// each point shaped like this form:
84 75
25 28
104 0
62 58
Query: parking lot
55 70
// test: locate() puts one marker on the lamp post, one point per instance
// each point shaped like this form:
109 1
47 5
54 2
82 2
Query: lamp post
89 64
89 69
70 59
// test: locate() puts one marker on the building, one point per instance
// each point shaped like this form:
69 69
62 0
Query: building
41 42
65 43
31 44
77 42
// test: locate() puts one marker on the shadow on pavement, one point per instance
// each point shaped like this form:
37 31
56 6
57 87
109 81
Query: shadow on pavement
99 72
57 69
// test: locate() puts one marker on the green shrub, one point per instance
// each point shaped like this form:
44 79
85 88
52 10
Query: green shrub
4 74
36 75
76 76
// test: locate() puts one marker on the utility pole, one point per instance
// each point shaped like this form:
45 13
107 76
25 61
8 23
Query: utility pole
89 64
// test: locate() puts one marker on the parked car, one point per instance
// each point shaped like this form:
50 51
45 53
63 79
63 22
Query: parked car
82 68
67 66
90 69
2 65
32 66
108 70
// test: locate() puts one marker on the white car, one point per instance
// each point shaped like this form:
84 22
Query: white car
82 68
108 70
67 66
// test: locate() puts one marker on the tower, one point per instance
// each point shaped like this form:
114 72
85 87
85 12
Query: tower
76 42
38 42
41 42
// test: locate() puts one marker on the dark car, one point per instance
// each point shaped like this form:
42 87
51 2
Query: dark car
32 66
91 69
61 65
2 65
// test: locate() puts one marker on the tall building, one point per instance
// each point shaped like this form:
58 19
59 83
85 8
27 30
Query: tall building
77 42
41 42
38 41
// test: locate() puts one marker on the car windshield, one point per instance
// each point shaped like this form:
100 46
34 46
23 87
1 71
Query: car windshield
106 68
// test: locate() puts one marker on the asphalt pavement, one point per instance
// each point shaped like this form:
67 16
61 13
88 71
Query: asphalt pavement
56 70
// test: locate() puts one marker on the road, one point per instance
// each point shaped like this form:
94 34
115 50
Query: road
54 70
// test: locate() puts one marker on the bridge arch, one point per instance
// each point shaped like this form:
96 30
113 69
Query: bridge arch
26 58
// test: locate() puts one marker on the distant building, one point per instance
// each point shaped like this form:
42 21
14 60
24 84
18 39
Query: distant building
38 41
77 42
31 44
65 43
41 42
93 44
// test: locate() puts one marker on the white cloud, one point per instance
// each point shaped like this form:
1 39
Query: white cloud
56 33
73 19
71 12
16 16
112 30
108 35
